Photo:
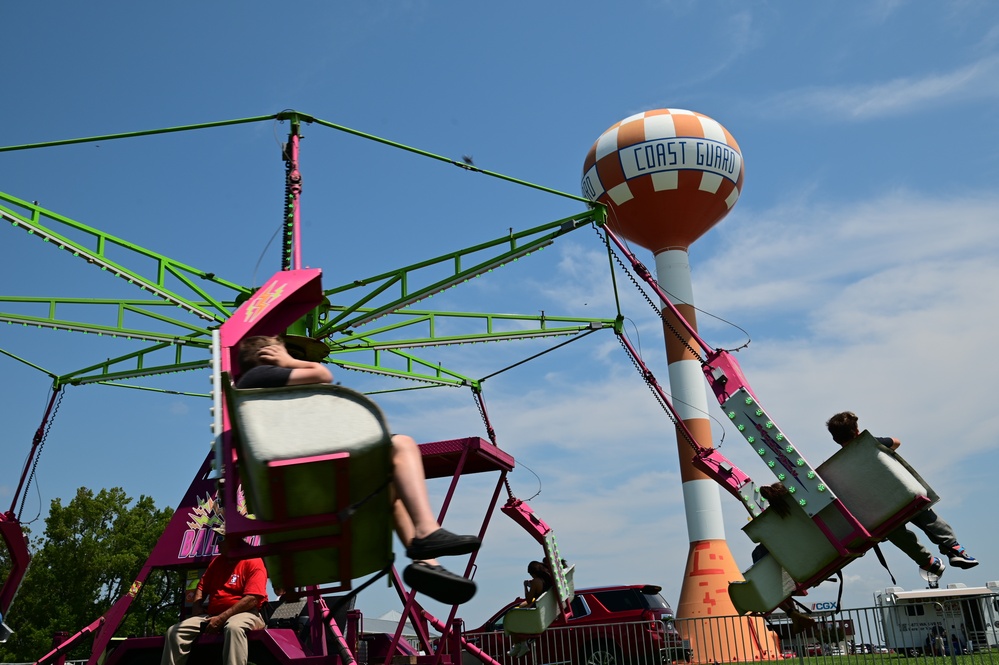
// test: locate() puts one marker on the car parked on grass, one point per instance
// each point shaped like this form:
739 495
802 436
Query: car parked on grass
814 650
614 625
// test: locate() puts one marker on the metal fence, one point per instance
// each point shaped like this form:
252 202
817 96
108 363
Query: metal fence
953 631
959 631
639 643
965 630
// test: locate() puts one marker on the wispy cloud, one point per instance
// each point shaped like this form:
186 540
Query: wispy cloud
868 302
880 10
741 38
816 248
978 80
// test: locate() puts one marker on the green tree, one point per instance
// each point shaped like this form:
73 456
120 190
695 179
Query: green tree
90 553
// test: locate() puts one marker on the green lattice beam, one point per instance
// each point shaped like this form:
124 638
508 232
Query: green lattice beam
404 286
142 363
113 312
488 327
51 227
186 289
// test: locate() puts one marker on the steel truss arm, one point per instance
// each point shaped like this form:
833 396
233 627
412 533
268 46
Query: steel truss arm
52 228
413 368
114 313
122 318
175 284
407 285
494 327
105 372
344 326
389 358
170 352
400 283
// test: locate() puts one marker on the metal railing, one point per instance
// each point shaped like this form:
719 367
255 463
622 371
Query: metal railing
959 632
635 643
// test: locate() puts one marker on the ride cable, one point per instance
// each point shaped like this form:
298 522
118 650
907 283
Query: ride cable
640 268
37 444
738 400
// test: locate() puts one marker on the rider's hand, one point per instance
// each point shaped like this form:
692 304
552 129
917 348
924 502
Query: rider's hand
275 354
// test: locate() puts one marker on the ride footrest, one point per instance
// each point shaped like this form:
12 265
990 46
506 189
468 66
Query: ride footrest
766 586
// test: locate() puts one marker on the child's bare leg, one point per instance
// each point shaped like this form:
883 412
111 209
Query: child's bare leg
415 522
404 524
419 531
414 518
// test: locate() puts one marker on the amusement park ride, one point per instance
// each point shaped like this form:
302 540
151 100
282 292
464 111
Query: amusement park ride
303 510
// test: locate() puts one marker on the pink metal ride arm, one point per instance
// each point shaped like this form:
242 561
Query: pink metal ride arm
20 557
727 382
709 460
295 192
10 527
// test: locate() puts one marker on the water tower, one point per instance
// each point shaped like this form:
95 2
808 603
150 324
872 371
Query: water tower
666 177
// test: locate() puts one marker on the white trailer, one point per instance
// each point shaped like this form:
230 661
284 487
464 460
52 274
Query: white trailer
959 619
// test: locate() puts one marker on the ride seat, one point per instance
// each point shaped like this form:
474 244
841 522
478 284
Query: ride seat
874 482
534 620
876 490
553 602
314 460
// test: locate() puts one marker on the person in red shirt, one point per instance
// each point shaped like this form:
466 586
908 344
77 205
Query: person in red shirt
227 601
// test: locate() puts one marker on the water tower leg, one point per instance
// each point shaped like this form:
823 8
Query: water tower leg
710 566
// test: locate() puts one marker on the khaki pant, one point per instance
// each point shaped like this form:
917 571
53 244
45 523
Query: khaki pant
937 530
180 638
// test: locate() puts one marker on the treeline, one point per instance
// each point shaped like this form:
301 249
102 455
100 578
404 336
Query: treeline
88 557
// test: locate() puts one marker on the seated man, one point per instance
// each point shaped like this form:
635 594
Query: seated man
843 428
228 601
266 363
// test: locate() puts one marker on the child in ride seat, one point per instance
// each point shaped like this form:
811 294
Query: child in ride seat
266 363
844 427
541 581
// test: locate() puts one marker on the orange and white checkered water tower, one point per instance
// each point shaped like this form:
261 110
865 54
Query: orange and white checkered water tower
666 177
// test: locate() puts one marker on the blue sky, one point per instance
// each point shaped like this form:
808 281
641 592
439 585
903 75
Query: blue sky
860 257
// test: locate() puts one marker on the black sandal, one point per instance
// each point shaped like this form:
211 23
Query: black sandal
438 583
441 543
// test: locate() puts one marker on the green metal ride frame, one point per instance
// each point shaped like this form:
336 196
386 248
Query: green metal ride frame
369 324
